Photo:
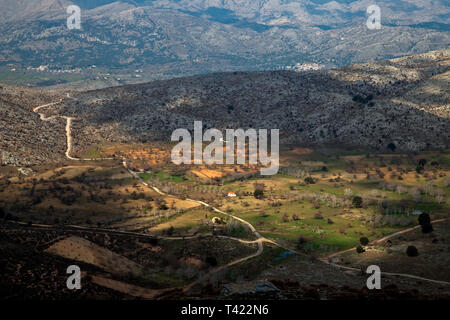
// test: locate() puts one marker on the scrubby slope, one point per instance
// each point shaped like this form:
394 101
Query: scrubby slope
403 101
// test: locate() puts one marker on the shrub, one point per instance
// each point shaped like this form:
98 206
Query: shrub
422 162
357 201
427 228
364 241
211 261
424 218
259 190
392 146
300 242
425 222
310 180
412 251
360 249
318 216
258 194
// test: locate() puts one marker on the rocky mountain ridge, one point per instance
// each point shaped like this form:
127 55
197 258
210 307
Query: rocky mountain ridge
178 38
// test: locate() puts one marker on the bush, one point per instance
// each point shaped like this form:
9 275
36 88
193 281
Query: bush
422 162
258 194
300 242
360 249
357 202
425 222
392 146
364 241
310 180
424 219
211 261
361 99
318 216
412 251
427 228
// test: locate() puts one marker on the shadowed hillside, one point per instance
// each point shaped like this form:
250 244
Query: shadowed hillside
401 103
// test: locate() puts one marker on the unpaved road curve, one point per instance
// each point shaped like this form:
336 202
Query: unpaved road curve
383 239
260 240
68 129
68 126
327 259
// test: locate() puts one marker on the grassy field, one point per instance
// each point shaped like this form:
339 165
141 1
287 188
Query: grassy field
163 176
322 213
33 79
321 210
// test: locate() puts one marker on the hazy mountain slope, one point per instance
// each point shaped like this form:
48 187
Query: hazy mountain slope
404 101
174 38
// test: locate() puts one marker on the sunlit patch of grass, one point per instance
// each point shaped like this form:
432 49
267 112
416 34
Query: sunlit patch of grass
162 176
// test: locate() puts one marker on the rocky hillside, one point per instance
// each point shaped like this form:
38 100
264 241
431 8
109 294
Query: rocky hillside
24 138
401 104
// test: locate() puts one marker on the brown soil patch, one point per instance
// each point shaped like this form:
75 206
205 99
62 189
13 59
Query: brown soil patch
80 249
127 288
208 173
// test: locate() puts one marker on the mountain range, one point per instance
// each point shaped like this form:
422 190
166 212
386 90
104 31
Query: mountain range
169 38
